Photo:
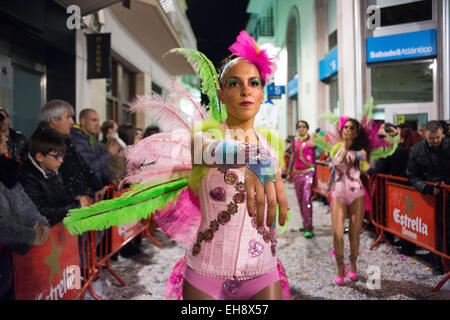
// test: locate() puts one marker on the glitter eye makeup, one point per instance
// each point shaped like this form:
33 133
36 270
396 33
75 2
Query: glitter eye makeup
255 82
232 82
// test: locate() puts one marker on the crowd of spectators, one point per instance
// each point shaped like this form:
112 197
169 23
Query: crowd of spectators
61 166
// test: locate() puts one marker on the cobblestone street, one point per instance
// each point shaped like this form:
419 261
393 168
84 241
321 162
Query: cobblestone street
310 268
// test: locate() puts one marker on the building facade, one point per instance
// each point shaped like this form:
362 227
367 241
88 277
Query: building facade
336 54
44 55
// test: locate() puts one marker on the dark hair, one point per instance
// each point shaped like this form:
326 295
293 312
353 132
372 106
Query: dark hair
445 127
6 113
225 61
84 113
151 130
44 142
108 124
410 138
433 126
127 132
303 121
361 141
408 124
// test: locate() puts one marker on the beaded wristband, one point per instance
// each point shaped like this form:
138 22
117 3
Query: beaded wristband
233 154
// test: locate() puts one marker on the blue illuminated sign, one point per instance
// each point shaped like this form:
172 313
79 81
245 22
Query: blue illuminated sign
293 87
273 90
329 65
402 46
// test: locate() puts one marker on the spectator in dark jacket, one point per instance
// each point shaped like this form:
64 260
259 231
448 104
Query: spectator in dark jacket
429 161
78 178
21 224
92 151
41 180
16 140
396 164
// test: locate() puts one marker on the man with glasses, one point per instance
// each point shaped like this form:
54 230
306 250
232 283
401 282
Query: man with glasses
42 182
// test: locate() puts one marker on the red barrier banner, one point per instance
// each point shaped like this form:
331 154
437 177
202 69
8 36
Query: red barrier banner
51 271
124 232
322 176
411 214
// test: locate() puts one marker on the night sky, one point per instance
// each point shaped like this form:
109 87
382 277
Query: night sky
216 24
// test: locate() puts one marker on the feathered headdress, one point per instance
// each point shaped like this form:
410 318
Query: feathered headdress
378 147
210 80
246 47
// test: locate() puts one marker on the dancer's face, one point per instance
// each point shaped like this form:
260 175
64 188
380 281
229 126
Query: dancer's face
349 131
242 91
302 129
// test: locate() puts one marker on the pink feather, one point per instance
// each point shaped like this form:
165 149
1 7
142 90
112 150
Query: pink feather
177 92
167 115
342 121
182 220
159 156
246 47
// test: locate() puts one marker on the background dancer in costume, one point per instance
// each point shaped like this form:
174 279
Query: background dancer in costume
303 162
348 194
351 144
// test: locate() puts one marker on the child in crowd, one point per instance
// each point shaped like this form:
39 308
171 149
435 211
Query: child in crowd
39 176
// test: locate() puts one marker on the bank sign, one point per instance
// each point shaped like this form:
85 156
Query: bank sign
404 46
329 65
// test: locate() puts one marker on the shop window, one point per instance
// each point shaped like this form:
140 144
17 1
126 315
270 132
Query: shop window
156 89
332 40
334 95
120 90
403 82
404 11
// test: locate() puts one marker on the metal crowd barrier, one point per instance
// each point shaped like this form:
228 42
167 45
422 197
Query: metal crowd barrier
65 267
399 209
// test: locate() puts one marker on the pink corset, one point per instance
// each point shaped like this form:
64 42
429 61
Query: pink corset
305 157
347 184
228 244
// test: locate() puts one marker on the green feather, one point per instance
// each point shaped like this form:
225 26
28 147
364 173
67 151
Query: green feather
138 203
210 79
331 117
275 142
368 108
322 143
383 152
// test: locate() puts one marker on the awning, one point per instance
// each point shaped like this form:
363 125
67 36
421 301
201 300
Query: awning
148 23
88 6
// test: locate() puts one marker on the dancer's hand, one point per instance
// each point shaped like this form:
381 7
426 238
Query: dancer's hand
350 157
257 195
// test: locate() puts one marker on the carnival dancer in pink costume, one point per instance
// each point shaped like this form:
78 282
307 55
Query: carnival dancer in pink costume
354 143
234 255
227 201
348 194
303 161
